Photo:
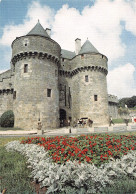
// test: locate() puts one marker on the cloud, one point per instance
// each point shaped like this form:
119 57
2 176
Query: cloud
101 23
121 81
35 12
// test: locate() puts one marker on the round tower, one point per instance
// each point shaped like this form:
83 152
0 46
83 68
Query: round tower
89 85
35 58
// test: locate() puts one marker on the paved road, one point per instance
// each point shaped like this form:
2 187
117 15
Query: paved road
63 134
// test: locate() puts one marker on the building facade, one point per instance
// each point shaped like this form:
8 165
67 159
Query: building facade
51 84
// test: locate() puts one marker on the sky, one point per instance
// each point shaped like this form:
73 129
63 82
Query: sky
110 25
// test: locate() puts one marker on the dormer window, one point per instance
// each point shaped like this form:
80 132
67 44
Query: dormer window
25 68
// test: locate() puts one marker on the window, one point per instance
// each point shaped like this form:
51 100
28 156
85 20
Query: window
25 42
86 78
48 92
25 68
14 95
63 59
95 98
82 56
56 73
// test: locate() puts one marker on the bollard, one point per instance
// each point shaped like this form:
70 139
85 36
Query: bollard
69 130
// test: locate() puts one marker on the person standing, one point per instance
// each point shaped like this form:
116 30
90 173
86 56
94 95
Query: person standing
111 121
132 118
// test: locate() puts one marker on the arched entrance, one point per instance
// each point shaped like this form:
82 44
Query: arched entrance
62 117
62 114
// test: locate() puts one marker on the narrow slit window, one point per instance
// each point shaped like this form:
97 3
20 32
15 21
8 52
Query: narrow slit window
95 98
14 95
26 68
86 78
48 92
56 73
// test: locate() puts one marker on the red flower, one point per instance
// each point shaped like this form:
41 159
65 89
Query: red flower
109 152
132 148
88 159
79 155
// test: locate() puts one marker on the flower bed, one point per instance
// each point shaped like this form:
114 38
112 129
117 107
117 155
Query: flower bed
96 149
74 177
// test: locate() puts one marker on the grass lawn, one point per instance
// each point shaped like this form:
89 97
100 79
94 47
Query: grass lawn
119 121
15 174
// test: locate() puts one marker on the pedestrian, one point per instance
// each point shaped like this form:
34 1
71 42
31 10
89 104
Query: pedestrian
39 125
68 122
90 122
111 121
132 118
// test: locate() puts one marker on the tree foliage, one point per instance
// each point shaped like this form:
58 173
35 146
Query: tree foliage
130 102
124 111
7 119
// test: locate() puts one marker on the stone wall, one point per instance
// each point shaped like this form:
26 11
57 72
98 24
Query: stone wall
35 44
113 108
73 74
83 92
83 102
6 91
31 101
91 59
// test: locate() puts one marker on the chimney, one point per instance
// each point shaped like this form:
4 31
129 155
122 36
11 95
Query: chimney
48 31
77 45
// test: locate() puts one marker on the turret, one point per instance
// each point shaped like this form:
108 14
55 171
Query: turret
36 96
89 85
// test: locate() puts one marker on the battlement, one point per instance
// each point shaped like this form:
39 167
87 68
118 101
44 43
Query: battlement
39 55
112 98
82 69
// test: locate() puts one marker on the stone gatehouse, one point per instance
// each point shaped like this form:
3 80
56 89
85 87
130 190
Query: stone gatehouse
51 84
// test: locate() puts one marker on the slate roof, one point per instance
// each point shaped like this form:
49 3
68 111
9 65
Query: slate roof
88 48
67 54
38 30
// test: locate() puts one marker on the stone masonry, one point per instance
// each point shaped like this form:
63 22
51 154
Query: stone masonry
50 84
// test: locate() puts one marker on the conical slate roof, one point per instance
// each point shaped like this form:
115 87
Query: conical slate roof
88 48
38 30
67 54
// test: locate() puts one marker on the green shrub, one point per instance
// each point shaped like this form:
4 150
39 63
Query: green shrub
7 119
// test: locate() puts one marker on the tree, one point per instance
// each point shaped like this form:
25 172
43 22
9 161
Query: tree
130 102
